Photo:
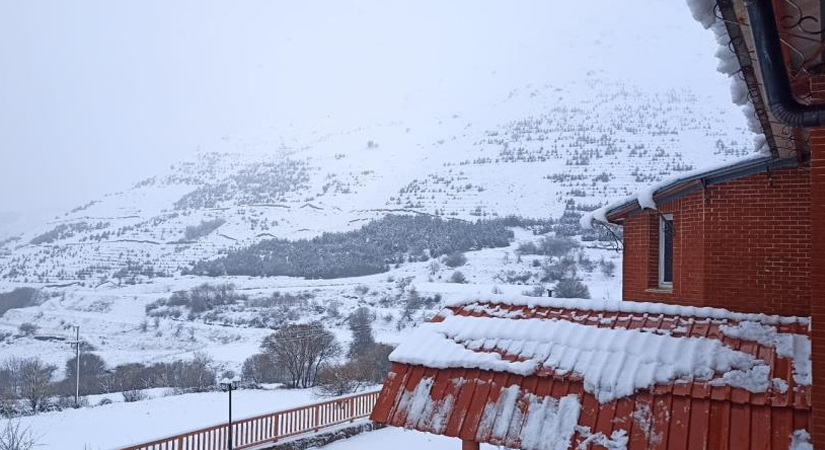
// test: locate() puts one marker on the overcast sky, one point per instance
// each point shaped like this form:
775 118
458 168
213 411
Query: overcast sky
95 95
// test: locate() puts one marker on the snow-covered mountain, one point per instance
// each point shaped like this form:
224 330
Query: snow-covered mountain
541 150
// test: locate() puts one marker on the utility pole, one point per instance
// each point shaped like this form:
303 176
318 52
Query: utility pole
77 367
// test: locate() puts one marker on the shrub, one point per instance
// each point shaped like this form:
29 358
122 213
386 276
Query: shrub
458 277
455 259
370 367
571 288
341 379
586 263
537 291
549 246
134 395
195 375
261 368
13 436
608 268
206 227
360 324
564 268
199 299
92 369
27 329
362 289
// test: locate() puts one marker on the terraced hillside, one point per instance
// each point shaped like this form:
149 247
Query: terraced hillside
542 152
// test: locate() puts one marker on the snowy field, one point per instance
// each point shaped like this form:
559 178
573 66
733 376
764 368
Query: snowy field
111 318
121 424
114 321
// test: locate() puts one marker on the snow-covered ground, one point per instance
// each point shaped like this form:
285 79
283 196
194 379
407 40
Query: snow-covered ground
400 439
113 319
121 424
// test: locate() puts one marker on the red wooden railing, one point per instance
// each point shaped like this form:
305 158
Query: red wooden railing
258 430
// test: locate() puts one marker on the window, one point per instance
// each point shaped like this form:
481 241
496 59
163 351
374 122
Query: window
666 251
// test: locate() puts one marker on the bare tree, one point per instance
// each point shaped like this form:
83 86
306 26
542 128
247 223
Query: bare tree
337 380
36 382
302 350
16 437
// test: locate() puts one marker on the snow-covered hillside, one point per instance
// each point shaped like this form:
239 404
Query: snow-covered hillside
114 320
540 151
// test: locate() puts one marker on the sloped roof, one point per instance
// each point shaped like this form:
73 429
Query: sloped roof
684 184
548 374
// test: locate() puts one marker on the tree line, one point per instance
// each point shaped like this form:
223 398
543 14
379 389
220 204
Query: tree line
372 249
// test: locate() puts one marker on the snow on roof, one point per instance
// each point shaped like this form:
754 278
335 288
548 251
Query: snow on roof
545 423
637 374
644 198
651 308
614 363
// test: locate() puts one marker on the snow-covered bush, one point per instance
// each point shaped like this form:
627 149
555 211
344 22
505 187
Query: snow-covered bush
608 268
455 259
134 395
360 324
537 291
261 368
563 268
571 288
458 277
14 436
27 329
199 299
548 246
195 232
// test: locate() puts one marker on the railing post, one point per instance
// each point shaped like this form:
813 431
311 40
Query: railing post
180 443
275 427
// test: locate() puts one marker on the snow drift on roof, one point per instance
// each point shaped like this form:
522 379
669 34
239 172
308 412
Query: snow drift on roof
644 197
613 363
456 300
536 422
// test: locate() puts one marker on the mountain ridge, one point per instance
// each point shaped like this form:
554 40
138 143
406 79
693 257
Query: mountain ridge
541 152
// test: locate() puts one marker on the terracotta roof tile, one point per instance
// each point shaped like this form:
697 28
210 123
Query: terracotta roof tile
683 414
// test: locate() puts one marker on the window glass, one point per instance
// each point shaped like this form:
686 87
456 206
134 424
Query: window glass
666 250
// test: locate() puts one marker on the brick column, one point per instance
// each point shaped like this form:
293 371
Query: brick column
818 269
818 282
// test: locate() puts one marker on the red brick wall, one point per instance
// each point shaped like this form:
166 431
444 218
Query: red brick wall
817 284
744 245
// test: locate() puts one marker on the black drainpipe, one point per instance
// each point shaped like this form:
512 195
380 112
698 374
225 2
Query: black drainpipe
774 75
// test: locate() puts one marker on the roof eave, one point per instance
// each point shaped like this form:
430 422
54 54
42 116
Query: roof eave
681 187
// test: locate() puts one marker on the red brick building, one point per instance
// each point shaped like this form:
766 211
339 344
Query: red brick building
738 237
718 343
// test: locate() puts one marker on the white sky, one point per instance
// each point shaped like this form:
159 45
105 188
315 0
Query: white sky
97 94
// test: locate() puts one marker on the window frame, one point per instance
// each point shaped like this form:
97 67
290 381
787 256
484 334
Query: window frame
663 218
